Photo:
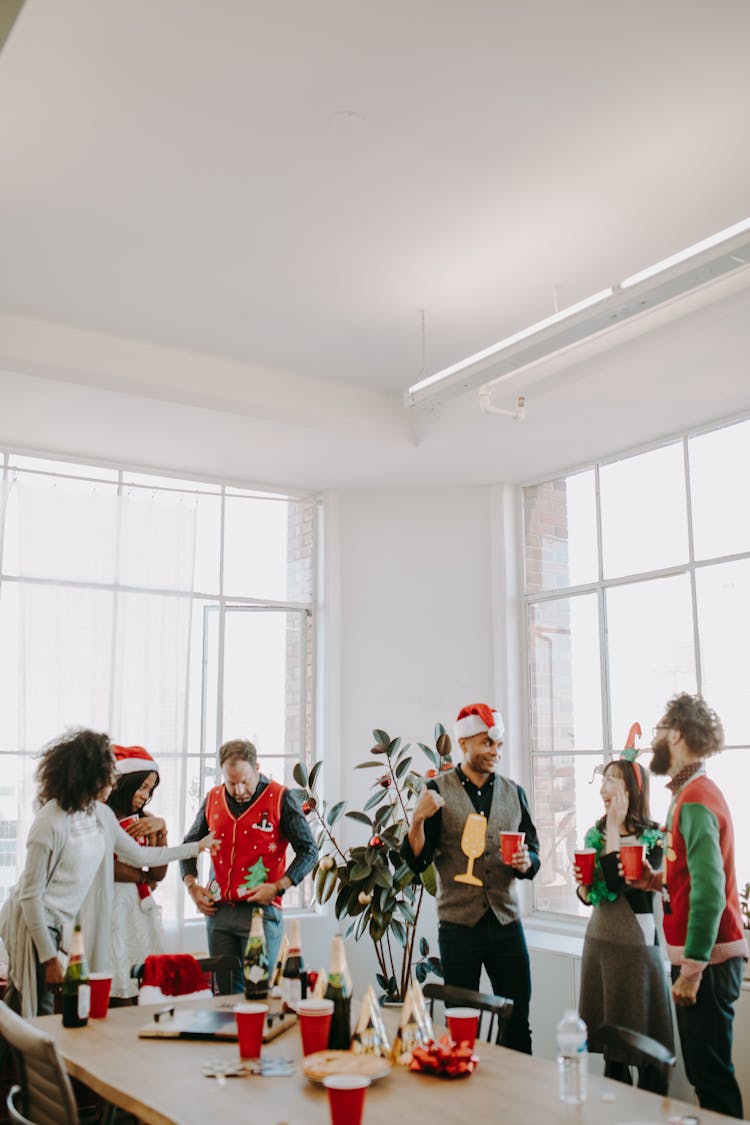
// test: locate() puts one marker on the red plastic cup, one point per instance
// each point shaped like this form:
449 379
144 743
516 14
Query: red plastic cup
346 1097
462 1024
314 1017
100 985
631 858
251 1019
585 862
510 842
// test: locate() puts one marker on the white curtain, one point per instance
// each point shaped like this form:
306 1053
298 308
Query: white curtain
103 617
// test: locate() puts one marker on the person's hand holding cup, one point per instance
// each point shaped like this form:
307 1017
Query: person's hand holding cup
583 867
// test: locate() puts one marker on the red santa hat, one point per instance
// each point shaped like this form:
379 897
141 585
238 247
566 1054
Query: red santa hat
476 718
133 759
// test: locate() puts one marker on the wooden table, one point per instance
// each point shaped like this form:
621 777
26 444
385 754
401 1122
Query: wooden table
161 1082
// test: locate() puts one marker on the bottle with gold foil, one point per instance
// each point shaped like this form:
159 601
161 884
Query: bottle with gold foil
255 964
76 991
339 989
294 974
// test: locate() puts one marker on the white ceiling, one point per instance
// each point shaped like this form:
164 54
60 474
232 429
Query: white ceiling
284 186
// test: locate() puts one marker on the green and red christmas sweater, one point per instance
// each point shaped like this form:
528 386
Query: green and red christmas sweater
702 920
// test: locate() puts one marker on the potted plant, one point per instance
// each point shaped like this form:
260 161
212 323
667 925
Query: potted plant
373 887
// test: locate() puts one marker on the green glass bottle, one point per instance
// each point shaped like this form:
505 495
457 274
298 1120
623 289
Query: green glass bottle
256 961
76 991
339 989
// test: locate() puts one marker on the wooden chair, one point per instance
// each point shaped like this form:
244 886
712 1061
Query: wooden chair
498 1008
44 1095
635 1049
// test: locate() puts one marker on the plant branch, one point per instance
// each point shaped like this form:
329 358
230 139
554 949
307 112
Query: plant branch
329 834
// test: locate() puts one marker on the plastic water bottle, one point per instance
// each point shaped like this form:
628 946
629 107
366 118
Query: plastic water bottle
572 1058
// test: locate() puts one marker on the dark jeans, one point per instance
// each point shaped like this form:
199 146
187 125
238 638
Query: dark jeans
502 950
706 1037
228 931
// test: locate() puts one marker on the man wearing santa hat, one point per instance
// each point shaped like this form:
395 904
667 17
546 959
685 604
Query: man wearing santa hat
457 824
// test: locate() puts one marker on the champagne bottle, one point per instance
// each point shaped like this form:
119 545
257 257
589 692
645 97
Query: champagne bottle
256 961
76 991
339 990
294 974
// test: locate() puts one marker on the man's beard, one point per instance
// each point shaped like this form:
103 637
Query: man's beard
662 758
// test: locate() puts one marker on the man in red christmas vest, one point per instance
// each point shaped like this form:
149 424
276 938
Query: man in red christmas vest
254 820
703 928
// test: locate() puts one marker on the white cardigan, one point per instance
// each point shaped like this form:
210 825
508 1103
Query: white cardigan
23 922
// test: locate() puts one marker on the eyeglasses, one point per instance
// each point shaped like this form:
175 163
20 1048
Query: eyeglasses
658 727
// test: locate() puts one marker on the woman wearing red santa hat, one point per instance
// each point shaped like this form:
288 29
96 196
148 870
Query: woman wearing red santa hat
69 870
136 916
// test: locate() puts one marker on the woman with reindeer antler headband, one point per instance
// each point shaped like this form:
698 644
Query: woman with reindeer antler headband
622 972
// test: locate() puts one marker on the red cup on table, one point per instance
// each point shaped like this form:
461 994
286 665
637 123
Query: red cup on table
510 842
100 984
346 1097
462 1025
314 1017
251 1020
631 858
585 862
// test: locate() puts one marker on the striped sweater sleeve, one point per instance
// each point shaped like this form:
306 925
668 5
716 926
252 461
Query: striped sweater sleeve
700 831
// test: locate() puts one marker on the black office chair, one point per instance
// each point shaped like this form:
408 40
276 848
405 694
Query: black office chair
498 1008
45 1094
635 1049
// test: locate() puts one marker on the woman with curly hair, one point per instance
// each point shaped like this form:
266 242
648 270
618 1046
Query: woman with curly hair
69 870
623 980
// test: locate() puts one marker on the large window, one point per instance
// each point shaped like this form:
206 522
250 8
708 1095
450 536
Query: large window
172 614
637 577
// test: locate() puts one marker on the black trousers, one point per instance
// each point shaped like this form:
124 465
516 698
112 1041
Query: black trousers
501 949
706 1037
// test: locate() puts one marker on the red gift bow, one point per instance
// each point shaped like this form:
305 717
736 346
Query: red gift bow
444 1057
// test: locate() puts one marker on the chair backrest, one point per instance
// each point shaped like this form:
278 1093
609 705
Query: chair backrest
497 1009
221 968
633 1048
47 1095
12 1102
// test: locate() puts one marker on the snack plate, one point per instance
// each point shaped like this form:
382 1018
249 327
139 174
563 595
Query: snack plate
320 1065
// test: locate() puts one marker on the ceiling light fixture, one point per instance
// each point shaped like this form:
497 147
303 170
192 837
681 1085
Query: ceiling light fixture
714 257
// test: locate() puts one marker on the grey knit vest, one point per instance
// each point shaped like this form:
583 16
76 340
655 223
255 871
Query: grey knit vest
459 902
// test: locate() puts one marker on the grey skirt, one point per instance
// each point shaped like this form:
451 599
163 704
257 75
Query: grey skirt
623 980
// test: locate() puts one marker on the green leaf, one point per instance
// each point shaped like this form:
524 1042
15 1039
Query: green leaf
381 737
383 877
368 765
299 773
381 816
314 775
375 799
328 885
361 925
402 767
360 871
420 971
406 913
393 746
424 947
429 880
430 754
398 931
360 818
335 813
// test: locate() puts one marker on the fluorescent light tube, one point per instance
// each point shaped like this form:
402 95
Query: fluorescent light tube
689 252
524 334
